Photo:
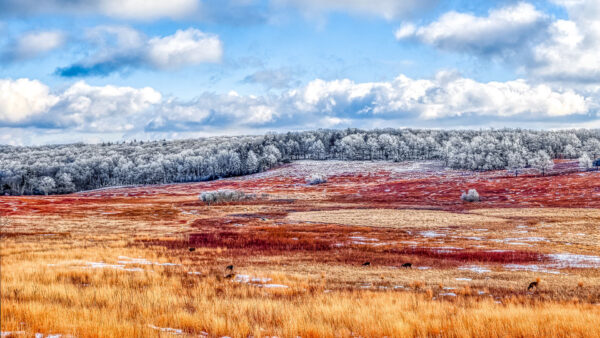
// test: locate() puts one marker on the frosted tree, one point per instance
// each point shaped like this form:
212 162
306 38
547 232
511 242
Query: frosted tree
585 162
251 162
76 167
46 184
592 147
516 162
542 162
317 150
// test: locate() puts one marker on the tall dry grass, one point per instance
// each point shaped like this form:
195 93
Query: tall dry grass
55 291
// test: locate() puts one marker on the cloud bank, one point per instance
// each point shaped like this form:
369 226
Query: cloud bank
555 50
446 97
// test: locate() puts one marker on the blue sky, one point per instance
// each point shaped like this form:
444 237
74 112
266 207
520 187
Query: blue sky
99 70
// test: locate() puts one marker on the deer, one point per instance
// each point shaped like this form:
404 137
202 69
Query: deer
192 249
229 267
407 265
366 264
533 285
229 276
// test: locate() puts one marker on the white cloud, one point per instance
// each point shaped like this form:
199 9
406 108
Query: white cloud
556 51
503 29
572 53
445 100
185 47
22 99
147 9
388 9
122 48
103 108
33 44
447 95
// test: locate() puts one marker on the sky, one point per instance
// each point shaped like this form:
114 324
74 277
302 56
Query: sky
113 70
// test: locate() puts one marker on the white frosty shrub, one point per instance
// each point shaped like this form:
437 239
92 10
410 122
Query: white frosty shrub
225 195
585 162
316 179
471 196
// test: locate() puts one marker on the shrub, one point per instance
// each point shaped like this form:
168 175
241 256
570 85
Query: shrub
316 179
471 196
225 195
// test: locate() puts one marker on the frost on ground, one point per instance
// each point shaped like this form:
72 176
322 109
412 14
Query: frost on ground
534 268
261 282
307 168
101 265
475 268
141 261
166 329
568 260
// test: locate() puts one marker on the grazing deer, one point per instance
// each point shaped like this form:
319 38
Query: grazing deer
229 276
366 264
407 265
533 285
192 249
229 267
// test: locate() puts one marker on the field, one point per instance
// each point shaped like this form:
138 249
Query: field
117 262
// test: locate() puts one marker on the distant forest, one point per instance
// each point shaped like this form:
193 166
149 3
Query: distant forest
57 169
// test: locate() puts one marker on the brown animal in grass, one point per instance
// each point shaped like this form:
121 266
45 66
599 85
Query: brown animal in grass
229 267
192 249
533 285
407 265
229 276
366 264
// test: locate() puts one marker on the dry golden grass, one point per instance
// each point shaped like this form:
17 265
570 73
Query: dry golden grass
563 213
394 218
68 297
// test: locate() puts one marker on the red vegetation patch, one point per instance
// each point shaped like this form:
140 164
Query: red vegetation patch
242 236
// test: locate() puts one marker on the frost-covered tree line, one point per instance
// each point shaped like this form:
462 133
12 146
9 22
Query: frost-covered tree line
74 167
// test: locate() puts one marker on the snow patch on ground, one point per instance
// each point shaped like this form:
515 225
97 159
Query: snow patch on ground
475 268
249 279
534 268
166 329
431 234
102 265
141 261
568 260
448 294
273 286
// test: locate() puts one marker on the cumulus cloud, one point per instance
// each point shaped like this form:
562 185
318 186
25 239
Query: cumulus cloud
127 9
33 44
102 108
123 48
25 102
502 30
564 51
447 99
22 99
388 9
447 95
188 47
572 53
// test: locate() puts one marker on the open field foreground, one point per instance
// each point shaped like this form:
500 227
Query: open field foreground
116 262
